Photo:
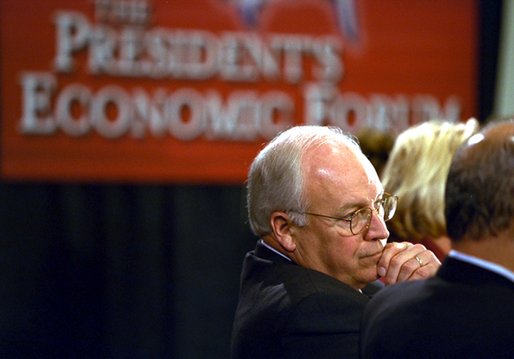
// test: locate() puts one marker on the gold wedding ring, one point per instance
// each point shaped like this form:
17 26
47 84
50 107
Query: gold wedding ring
419 261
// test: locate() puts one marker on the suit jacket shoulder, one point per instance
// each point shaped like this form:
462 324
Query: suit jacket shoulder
464 311
287 311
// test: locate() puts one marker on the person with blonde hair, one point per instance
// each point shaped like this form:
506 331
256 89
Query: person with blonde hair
416 172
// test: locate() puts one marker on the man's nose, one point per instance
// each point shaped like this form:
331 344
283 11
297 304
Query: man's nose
377 228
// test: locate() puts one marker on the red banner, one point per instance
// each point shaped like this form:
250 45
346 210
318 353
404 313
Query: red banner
188 90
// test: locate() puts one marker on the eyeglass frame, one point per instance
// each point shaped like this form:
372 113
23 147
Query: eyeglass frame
385 197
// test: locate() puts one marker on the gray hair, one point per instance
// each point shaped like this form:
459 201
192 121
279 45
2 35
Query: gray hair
275 179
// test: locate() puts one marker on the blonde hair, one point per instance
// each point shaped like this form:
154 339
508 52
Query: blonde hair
416 172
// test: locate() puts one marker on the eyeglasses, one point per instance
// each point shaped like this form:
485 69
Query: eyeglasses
361 218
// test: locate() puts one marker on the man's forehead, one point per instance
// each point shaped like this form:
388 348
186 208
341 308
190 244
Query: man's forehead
336 153
342 168
338 157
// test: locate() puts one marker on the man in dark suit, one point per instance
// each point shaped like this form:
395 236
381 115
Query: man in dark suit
318 206
467 309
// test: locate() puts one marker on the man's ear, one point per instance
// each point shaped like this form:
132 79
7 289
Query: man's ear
281 226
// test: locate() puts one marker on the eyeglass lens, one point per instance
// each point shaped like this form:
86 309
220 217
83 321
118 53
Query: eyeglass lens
362 218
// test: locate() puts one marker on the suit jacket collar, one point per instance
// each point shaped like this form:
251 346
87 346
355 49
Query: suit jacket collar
263 252
455 270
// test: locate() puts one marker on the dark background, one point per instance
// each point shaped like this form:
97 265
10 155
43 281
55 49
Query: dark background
137 271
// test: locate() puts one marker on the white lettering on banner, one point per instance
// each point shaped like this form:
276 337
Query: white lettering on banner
122 44
185 114
194 54
324 104
81 95
123 11
36 91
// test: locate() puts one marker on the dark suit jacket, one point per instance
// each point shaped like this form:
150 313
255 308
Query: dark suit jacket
287 311
464 311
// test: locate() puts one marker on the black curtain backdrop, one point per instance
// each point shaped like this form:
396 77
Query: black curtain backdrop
136 271
120 271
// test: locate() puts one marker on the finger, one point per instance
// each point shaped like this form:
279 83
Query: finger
390 250
403 264
429 266
410 267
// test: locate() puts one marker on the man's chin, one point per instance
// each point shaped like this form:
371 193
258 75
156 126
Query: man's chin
371 275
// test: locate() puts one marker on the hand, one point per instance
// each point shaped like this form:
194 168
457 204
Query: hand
402 261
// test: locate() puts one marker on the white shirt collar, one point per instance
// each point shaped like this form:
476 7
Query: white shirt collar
274 250
479 262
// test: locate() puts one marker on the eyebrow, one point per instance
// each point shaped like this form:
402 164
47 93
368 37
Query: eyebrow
358 205
348 209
